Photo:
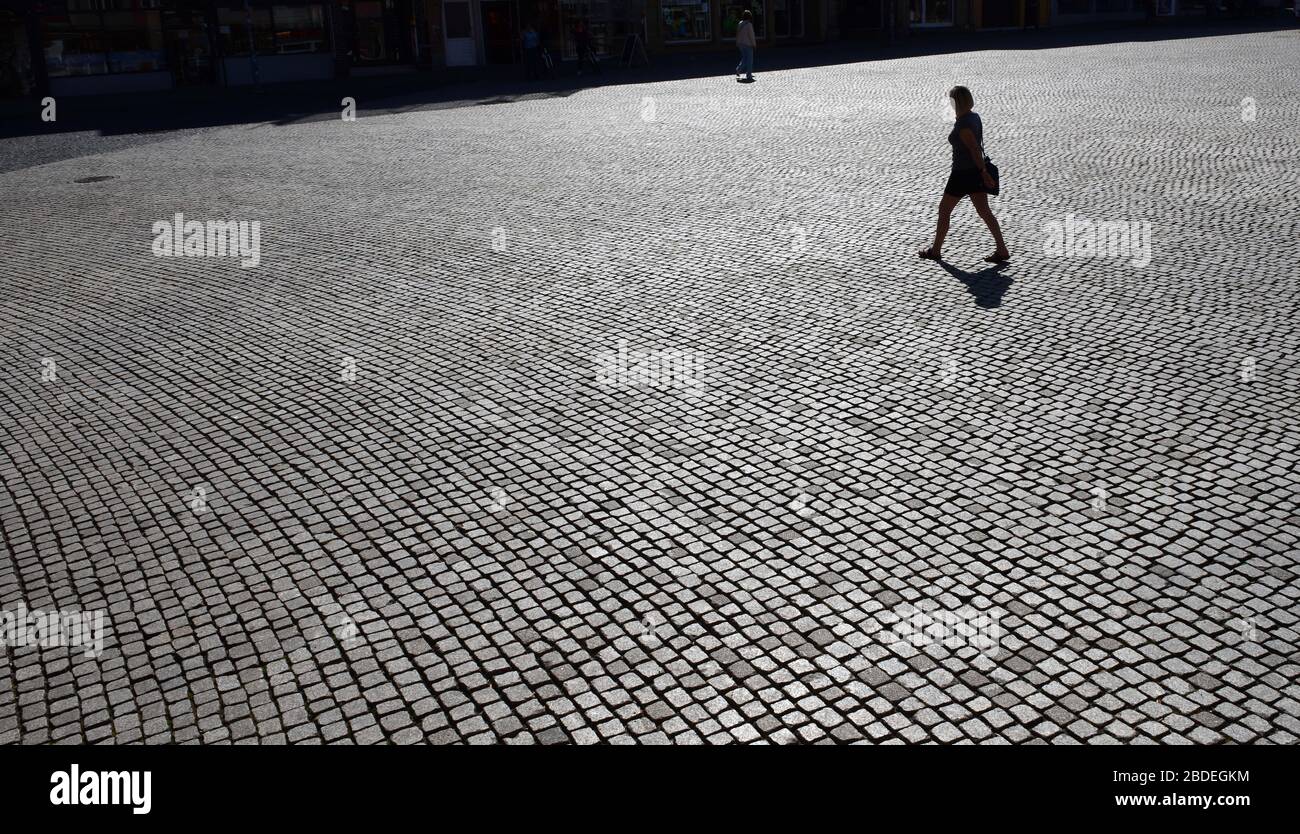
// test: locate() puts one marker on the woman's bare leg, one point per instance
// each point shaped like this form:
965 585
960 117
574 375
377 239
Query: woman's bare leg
946 206
981 203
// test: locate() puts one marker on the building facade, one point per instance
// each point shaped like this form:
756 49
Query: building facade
487 31
91 47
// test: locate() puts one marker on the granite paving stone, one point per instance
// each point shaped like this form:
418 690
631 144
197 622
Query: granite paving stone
630 416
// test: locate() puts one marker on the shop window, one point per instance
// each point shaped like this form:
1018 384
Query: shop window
233 29
299 29
686 20
97 37
281 29
731 17
134 41
608 22
74 44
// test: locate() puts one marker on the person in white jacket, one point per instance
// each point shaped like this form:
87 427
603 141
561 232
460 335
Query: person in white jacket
746 41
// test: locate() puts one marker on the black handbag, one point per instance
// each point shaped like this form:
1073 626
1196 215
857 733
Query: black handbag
993 172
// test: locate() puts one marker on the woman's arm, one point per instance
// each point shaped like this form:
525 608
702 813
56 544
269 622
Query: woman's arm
967 137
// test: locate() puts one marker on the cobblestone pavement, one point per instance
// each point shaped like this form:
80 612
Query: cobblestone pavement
631 416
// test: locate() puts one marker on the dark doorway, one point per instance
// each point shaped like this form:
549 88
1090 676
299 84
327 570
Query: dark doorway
382 32
862 17
498 31
188 45
1000 13
16 72
371 35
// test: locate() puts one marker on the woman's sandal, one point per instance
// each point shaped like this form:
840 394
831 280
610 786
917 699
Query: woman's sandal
928 254
995 258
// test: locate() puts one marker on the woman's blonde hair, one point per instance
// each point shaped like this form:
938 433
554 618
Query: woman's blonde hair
962 96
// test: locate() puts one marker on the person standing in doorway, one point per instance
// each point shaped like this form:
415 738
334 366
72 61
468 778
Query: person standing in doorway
973 175
746 41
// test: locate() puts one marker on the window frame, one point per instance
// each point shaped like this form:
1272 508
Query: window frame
708 38
272 29
103 34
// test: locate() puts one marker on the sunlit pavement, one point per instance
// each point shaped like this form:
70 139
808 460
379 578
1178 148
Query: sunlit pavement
630 415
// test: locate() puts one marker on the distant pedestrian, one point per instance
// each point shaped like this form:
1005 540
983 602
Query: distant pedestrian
532 43
586 52
973 175
746 41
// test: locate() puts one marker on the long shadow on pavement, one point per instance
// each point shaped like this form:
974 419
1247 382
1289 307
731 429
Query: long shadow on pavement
987 286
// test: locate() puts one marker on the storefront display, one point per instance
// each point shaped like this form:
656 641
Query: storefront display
74 45
300 29
276 30
686 20
607 21
731 11
91 46
244 30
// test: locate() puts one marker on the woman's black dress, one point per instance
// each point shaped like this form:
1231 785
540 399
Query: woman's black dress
965 178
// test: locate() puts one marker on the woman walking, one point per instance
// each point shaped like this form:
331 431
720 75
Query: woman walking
746 41
973 175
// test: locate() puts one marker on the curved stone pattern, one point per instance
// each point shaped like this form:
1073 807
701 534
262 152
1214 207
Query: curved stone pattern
631 416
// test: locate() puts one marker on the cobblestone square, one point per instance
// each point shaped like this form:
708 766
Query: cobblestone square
630 416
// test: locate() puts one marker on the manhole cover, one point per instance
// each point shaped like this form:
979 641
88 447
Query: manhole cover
96 179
